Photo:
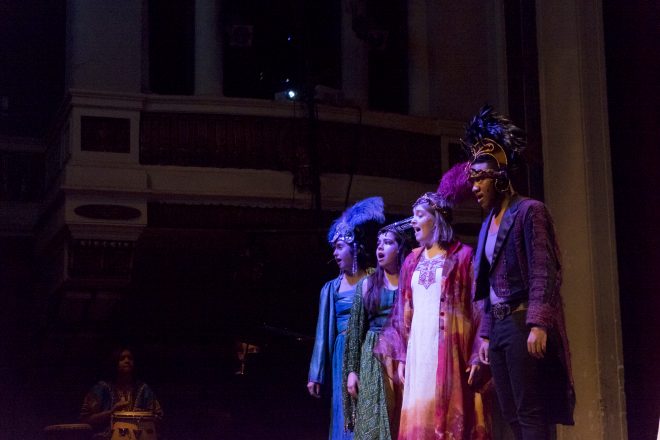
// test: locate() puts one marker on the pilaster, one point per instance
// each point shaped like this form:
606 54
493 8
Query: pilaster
578 191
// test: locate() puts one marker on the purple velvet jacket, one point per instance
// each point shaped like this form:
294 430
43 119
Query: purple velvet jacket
525 263
526 266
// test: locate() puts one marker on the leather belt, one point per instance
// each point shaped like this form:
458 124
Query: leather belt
502 310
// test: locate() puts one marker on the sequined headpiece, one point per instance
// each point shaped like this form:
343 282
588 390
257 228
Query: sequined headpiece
349 227
495 136
436 203
355 223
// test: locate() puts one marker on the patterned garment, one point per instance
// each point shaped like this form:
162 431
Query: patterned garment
325 365
427 270
445 347
369 416
526 261
104 395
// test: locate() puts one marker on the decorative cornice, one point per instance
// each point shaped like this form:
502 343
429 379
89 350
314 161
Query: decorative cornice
260 107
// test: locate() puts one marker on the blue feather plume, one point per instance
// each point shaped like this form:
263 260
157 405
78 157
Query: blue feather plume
371 209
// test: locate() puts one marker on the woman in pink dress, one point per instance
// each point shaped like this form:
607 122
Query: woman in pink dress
431 332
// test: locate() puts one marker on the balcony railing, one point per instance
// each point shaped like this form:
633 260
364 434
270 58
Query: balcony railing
277 143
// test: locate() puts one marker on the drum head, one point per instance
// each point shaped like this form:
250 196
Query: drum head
133 414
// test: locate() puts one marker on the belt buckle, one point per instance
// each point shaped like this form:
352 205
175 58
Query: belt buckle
501 311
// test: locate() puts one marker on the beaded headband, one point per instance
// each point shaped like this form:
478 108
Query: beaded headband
403 227
425 199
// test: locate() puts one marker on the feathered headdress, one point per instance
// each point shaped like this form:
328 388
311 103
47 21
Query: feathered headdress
492 134
350 227
454 188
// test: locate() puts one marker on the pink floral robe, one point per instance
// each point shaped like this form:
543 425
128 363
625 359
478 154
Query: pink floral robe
455 412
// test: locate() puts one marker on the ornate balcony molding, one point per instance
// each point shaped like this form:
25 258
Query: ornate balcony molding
260 107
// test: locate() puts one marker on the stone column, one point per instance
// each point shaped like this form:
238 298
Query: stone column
354 59
208 48
418 59
103 45
578 191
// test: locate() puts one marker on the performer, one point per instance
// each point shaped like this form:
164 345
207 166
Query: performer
348 236
369 394
124 393
433 325
518 276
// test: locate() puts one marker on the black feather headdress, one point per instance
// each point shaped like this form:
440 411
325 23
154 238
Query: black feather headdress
495 135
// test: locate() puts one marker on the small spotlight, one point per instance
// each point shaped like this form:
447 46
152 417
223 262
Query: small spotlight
287 95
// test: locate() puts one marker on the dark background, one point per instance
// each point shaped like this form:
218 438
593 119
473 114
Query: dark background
192 359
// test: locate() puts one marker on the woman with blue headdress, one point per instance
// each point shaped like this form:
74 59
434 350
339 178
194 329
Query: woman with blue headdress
348 236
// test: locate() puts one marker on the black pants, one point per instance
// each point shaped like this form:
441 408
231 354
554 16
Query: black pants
521 381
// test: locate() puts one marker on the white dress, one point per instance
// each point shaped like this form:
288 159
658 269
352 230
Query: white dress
419 393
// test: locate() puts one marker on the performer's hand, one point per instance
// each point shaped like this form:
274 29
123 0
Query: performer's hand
536 342
352 384
314 389
483 352
120 405
472 370
401 372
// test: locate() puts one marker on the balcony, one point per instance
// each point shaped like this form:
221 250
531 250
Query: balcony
285 144
246 151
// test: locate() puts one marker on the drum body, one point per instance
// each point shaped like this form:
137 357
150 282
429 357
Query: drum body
133 425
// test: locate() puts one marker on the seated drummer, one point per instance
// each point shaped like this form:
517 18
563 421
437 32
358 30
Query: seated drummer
124 393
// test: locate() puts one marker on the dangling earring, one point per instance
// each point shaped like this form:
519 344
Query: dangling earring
354 252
